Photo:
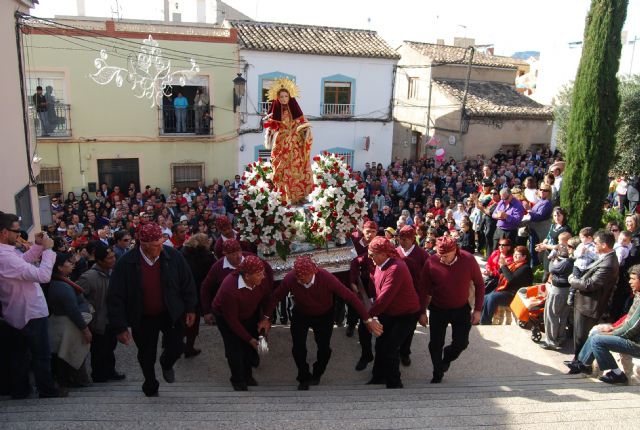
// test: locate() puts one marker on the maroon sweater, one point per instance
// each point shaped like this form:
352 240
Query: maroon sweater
318 298
356 239
415 261
395 294
238 304
361 266
213 280
152 294
448 286
217 247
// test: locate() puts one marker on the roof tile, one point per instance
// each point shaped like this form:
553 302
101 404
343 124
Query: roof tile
459 55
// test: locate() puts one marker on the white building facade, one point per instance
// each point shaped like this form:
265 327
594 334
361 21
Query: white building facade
346 98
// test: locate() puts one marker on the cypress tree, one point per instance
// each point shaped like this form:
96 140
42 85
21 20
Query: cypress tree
594 113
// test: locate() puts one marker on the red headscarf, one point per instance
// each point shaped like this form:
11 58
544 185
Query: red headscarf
407 232
222 223
250 265
304 266
370 225
381 245
230 246
150 232
446 244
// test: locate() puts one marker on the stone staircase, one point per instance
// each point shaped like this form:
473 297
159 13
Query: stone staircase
502 381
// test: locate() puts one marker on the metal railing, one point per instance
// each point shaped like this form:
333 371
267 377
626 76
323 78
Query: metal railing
333 109
54 122
264 107
184 121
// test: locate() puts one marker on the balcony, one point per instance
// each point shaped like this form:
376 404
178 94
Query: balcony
52 123
337 110
170 124
264 107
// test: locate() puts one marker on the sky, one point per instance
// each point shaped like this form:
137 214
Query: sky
510 25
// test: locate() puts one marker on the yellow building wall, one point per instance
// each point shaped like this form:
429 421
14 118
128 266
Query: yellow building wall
110 122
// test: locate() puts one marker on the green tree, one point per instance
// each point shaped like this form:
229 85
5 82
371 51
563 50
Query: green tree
561 110
628 135
592 121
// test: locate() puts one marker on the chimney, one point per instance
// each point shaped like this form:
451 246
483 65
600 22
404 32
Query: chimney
166 10
440 42
490 50
81 8
464 42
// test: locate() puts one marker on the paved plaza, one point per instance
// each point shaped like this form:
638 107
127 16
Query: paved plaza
502 381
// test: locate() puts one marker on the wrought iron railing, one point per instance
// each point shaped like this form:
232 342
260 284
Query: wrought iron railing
333 109
175 121
55 122
264 107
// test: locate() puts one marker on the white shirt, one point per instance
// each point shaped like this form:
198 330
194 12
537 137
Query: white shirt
310 284
242 284
227 265
406 253
147 260
385 262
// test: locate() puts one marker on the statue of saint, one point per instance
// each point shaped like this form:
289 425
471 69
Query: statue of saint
288 135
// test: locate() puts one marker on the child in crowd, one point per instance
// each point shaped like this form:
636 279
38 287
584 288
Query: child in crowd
584 254
623 246
467 237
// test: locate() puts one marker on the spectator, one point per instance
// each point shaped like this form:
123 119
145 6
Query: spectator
556 307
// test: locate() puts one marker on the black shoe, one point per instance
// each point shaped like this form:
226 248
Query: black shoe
241 386
445 365
116 376
150 389
350 331
60 392
169 375
437 377
255 360
405 360
251 382
614 378
363 362
395 385
191 353
376 381
576 367
315 380
303 386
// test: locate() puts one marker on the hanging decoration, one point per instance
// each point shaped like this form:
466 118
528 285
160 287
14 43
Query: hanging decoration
149 73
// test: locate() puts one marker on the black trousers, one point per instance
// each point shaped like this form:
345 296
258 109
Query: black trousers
338 310
240 354
386 365
512 235
439 319
103 359
582 325
405 348
146 339
322 327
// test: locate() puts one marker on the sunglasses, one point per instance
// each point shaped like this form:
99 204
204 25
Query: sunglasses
503 244
615 230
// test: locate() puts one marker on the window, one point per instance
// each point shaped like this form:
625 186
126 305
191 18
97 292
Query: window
55 121
49 181
413 88
338 96
187 174
189 120
347 154
262 153
23 208
264 83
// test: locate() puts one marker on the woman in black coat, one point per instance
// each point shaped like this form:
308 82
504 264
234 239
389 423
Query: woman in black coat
196 251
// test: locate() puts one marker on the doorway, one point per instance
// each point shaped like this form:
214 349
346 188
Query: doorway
119 171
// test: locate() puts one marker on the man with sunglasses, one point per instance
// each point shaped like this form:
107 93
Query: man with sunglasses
25 332
539 218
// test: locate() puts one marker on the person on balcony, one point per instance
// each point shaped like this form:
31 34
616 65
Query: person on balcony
201 106
52 118
289 137
40 103
180 104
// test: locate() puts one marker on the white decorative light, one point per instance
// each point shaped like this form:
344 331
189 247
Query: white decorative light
150 73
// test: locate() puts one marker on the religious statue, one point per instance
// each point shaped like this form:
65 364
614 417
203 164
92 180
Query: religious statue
288 135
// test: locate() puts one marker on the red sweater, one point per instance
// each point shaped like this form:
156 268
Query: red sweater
152 294
395 294
361 266
318 298
356 239
449 286
414 261
238 304
213 280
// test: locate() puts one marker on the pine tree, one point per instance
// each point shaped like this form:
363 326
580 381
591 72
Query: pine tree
594 113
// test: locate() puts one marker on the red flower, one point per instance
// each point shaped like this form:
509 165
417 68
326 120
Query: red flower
329 237
247 198
351 195
334 214
253 182
323 186
361 186
316 158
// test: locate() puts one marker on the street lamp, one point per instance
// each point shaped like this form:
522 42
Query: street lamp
239 86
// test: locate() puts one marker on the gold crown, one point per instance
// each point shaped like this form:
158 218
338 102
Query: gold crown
282 84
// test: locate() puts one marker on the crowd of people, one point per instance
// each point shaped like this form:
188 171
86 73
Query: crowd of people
126 265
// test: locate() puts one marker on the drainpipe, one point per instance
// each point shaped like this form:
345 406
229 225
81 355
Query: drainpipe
466 87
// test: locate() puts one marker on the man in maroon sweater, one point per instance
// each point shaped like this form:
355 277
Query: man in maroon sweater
226 233
445 280
151 290
396 305
237 308
414 257
313 289
361 271
232 257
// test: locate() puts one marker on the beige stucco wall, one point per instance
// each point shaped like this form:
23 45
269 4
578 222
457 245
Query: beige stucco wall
478 73
13 163
110 122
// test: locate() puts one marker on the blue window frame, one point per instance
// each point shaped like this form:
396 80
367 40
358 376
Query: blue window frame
348 154
338 96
